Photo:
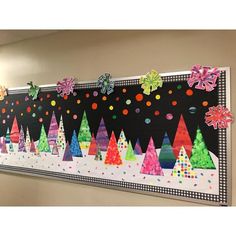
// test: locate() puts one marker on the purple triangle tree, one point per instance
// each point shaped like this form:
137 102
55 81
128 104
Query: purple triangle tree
53 130
4 146
137 148
102 136
21 143
67 154
151 164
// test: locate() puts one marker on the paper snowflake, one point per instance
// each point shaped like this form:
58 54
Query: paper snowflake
205 77
150 82
3 92
33 90
106 85
218 117
66 86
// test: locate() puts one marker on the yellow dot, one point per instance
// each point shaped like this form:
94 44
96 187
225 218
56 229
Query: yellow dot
111 108
68 111
53 103
78 101
158 97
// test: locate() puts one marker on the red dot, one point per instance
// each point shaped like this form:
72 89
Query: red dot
174 103
17 102
189 92
87 95
48 95
156 113
117 99
28 109
139 97
65 97
3 110
40 120
46 113
125 112
94 106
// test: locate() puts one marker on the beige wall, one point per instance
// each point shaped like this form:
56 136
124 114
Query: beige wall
87 54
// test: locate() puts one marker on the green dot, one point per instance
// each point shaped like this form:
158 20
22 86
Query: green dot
128 102
34 115
179 86
114 117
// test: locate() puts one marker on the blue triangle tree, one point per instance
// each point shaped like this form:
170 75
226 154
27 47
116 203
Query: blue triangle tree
75 146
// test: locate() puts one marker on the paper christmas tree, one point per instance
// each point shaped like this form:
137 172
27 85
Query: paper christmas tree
15 134
130 156
151 164
122 141
61 139
166 157
8 139
200 157
67 154
98 156
53 130
93 146
182 138
0 143
183 167
102 136
75 146
4 146
21 144
113 155
55 149
32 147
27 140
11 148
84 136
43 144
137 148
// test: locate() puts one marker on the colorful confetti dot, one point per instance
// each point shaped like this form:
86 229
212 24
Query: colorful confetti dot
117 99
104 98
28 109
87 95
46 113
205 103
59 108
189 92
94 106
128 102
170 92
137 110
147 121
124 90
78 101
169 116
111 108
40 120
3 110
148 103
40 108
17 102
114 117
139 97
125 112
4 121
65 97
95 93
158 96
75 117
48 95
33 115
53 103
192 110
174 103
179 86
156 113
68 111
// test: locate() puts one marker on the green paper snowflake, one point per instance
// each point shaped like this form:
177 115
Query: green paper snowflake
150 82
33 90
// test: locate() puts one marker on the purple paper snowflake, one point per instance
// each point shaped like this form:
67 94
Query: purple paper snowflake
66 86
205 77
218 116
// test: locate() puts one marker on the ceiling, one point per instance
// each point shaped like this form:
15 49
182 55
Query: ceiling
12 36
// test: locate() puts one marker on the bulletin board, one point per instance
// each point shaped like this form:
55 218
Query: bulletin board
126 140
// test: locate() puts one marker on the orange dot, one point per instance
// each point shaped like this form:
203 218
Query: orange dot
87 95
170 91
65 97
189 92
148 103
104 98
205 103
94 106
174 103
156 113
78 101
46 113
139 97
3 110
124 90
125 112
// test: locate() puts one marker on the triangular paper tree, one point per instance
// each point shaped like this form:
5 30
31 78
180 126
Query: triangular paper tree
43 144
11 148
122 141
84 136
151 164
113 155
21 144
93 146
15 134
67 154
182 138
55 149
61 139
53 130
0 143
130 156
32 147
200 155
183 167
8 139
27 140
75 146
102 136
4 146
137 148
166 157
98 156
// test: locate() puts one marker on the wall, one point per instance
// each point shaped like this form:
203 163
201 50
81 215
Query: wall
87 54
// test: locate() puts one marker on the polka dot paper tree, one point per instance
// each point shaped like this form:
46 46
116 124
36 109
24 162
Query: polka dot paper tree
53 130
27 140
43 145
61 139
122 142
21 143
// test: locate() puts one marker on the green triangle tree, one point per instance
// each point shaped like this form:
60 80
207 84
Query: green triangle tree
43 145
84 136
200 157
130 156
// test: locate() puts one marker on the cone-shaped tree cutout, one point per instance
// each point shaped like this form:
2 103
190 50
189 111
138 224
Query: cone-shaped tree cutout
98 156
61 139
55 149
183 167
166 157
113 155
137 148
27 140
75 146
15 134
8 139
53 130
67 154
11 148
32 146
93 146
122 141
84 136
4 146
201 158
43 144
0 143
21 144
130 156
102 136
151 164
182 138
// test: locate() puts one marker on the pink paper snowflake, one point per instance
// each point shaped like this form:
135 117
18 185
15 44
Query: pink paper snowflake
205 77
66 86
218 116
